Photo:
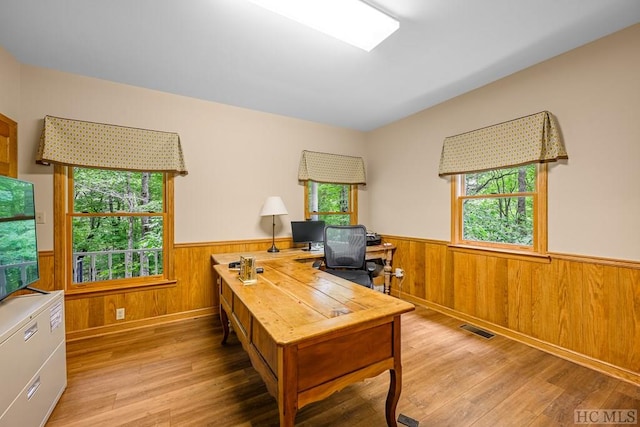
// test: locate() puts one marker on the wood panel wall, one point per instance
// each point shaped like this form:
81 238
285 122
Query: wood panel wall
580 308
583 309
194 295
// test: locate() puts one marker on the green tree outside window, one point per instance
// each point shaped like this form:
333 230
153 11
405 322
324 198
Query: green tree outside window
118 222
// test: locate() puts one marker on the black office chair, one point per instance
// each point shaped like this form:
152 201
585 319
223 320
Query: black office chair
345 249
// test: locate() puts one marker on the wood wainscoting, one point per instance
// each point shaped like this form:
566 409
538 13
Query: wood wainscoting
583 309
580 308
194 294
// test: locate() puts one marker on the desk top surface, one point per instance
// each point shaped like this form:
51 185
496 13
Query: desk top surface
295 302
290 254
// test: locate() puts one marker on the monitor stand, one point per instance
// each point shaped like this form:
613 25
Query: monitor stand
310 248
40 291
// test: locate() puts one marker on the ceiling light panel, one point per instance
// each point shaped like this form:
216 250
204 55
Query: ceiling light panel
351 21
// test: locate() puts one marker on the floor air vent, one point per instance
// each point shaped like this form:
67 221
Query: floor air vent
478 331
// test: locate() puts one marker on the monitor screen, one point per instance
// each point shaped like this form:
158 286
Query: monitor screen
18 242
307 232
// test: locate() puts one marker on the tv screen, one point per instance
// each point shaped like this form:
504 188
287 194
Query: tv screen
307 232
18 245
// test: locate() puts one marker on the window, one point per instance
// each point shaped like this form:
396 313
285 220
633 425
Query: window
501 208
336 204
117 226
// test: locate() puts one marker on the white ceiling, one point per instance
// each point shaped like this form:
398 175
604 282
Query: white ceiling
233 52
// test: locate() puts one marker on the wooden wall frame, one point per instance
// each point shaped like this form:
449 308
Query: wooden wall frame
8 147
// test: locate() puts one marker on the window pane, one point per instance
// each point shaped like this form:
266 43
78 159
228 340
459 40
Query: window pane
98 190
108 247
499 220
501 181
334 219
328 197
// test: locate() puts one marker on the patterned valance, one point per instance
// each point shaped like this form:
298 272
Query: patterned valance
99 145
530 139
331 168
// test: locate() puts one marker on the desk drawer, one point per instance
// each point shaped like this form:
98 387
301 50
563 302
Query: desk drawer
225 294
265 345
327 360
242 315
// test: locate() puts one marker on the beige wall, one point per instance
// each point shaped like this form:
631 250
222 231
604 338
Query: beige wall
9 85
594 197
235 157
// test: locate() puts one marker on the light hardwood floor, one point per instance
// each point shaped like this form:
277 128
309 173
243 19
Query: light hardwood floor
179 375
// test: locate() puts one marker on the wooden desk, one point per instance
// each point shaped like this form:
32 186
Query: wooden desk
383 252
309 333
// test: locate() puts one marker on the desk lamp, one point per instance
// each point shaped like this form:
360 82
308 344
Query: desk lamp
273 206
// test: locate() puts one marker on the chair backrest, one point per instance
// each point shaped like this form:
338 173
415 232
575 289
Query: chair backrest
345 246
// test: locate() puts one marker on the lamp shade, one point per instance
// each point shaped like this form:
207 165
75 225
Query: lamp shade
273 206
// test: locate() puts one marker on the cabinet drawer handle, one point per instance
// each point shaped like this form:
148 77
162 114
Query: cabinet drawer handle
31 331
33 388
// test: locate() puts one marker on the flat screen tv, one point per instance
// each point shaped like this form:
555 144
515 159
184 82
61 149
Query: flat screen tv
308 232
18 244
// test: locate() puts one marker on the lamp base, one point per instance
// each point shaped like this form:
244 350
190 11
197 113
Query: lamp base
273 235
273 249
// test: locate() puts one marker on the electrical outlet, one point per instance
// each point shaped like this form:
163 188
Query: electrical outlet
40 218
119 313
399 273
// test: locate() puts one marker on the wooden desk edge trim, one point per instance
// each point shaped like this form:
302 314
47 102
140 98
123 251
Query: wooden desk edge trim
325 390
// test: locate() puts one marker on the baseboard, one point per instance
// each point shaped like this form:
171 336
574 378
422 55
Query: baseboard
138 324
580 359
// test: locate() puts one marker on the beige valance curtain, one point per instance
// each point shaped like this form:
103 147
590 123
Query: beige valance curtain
99 145
331 168
530 139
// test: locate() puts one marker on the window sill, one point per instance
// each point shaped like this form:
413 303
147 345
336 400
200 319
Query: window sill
502 253
80 291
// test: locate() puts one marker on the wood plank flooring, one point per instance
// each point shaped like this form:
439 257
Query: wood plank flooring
179 375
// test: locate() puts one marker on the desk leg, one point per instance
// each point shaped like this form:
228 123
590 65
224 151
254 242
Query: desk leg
393 397
395 383
224 319
287 385
387 278
388 255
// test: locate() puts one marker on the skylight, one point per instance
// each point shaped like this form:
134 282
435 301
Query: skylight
350 21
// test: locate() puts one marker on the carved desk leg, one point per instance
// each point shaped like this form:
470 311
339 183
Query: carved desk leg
224 318
393 397
225 325
395 381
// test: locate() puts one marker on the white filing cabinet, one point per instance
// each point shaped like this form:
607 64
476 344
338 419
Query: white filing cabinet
33 365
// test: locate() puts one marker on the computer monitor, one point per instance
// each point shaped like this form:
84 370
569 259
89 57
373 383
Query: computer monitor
307 232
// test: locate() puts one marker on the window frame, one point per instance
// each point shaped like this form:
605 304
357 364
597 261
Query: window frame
63 240
539 246
353 203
